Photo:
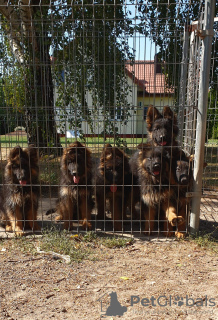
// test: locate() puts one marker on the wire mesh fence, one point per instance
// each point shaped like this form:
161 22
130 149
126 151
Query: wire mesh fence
102 98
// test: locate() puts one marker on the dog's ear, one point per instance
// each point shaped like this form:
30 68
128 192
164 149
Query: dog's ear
107 152
169 114
74 148
140 146
108 146
152 115
77 144
33 153
15 152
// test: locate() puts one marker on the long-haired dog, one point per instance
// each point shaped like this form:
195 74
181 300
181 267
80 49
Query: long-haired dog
182 171
155 178
112 180
162 131
162 128
21 190
75 199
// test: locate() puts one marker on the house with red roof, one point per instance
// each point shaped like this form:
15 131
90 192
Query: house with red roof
147 85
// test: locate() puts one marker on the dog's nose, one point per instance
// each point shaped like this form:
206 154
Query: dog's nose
184 180
156 167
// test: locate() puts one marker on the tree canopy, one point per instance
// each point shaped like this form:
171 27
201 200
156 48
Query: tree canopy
85 43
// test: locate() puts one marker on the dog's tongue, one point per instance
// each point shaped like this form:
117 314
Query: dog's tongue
113 188
163 143
156 173
75 179
22 182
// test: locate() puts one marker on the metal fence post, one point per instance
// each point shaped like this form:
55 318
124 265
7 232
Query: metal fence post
183 80
206 35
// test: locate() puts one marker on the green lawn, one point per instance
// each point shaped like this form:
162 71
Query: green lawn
13 140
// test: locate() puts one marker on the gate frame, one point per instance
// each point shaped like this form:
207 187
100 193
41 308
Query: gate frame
206 34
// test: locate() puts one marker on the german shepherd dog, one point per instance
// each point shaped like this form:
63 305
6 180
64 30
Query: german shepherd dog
21 190
112 180
182 170
76 191
162 131
154 177
162 128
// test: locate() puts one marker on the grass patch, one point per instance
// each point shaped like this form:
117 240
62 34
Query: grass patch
78 246
21 245
109 242
18 139
13 140
63 242
212 142
117 242
207 241
49 172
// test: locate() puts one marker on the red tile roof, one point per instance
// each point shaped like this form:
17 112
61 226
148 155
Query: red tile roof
143 74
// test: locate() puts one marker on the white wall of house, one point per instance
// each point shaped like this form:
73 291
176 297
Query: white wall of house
136 122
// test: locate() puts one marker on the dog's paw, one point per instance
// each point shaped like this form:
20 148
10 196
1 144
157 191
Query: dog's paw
8 228
58 218
180 235
86 225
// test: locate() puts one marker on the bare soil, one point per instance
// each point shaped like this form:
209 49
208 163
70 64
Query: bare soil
45 286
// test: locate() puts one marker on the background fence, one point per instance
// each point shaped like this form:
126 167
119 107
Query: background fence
87 71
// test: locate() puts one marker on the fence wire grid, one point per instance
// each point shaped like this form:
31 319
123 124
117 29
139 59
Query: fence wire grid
99 107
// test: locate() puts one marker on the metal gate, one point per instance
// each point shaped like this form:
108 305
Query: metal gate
87 72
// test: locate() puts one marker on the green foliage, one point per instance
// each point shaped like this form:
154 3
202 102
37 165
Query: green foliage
89 48
212 115
90 60
207 240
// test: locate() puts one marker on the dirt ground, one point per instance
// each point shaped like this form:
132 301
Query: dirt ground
149 279
152 279
176 279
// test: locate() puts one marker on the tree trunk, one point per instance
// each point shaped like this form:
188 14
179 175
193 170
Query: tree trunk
40 117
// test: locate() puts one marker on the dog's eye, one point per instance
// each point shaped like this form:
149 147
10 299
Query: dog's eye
178 169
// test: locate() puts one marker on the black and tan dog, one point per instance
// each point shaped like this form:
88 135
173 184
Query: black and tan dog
162 131
75 199
155 179
112 180
162 128
183 178
21 190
